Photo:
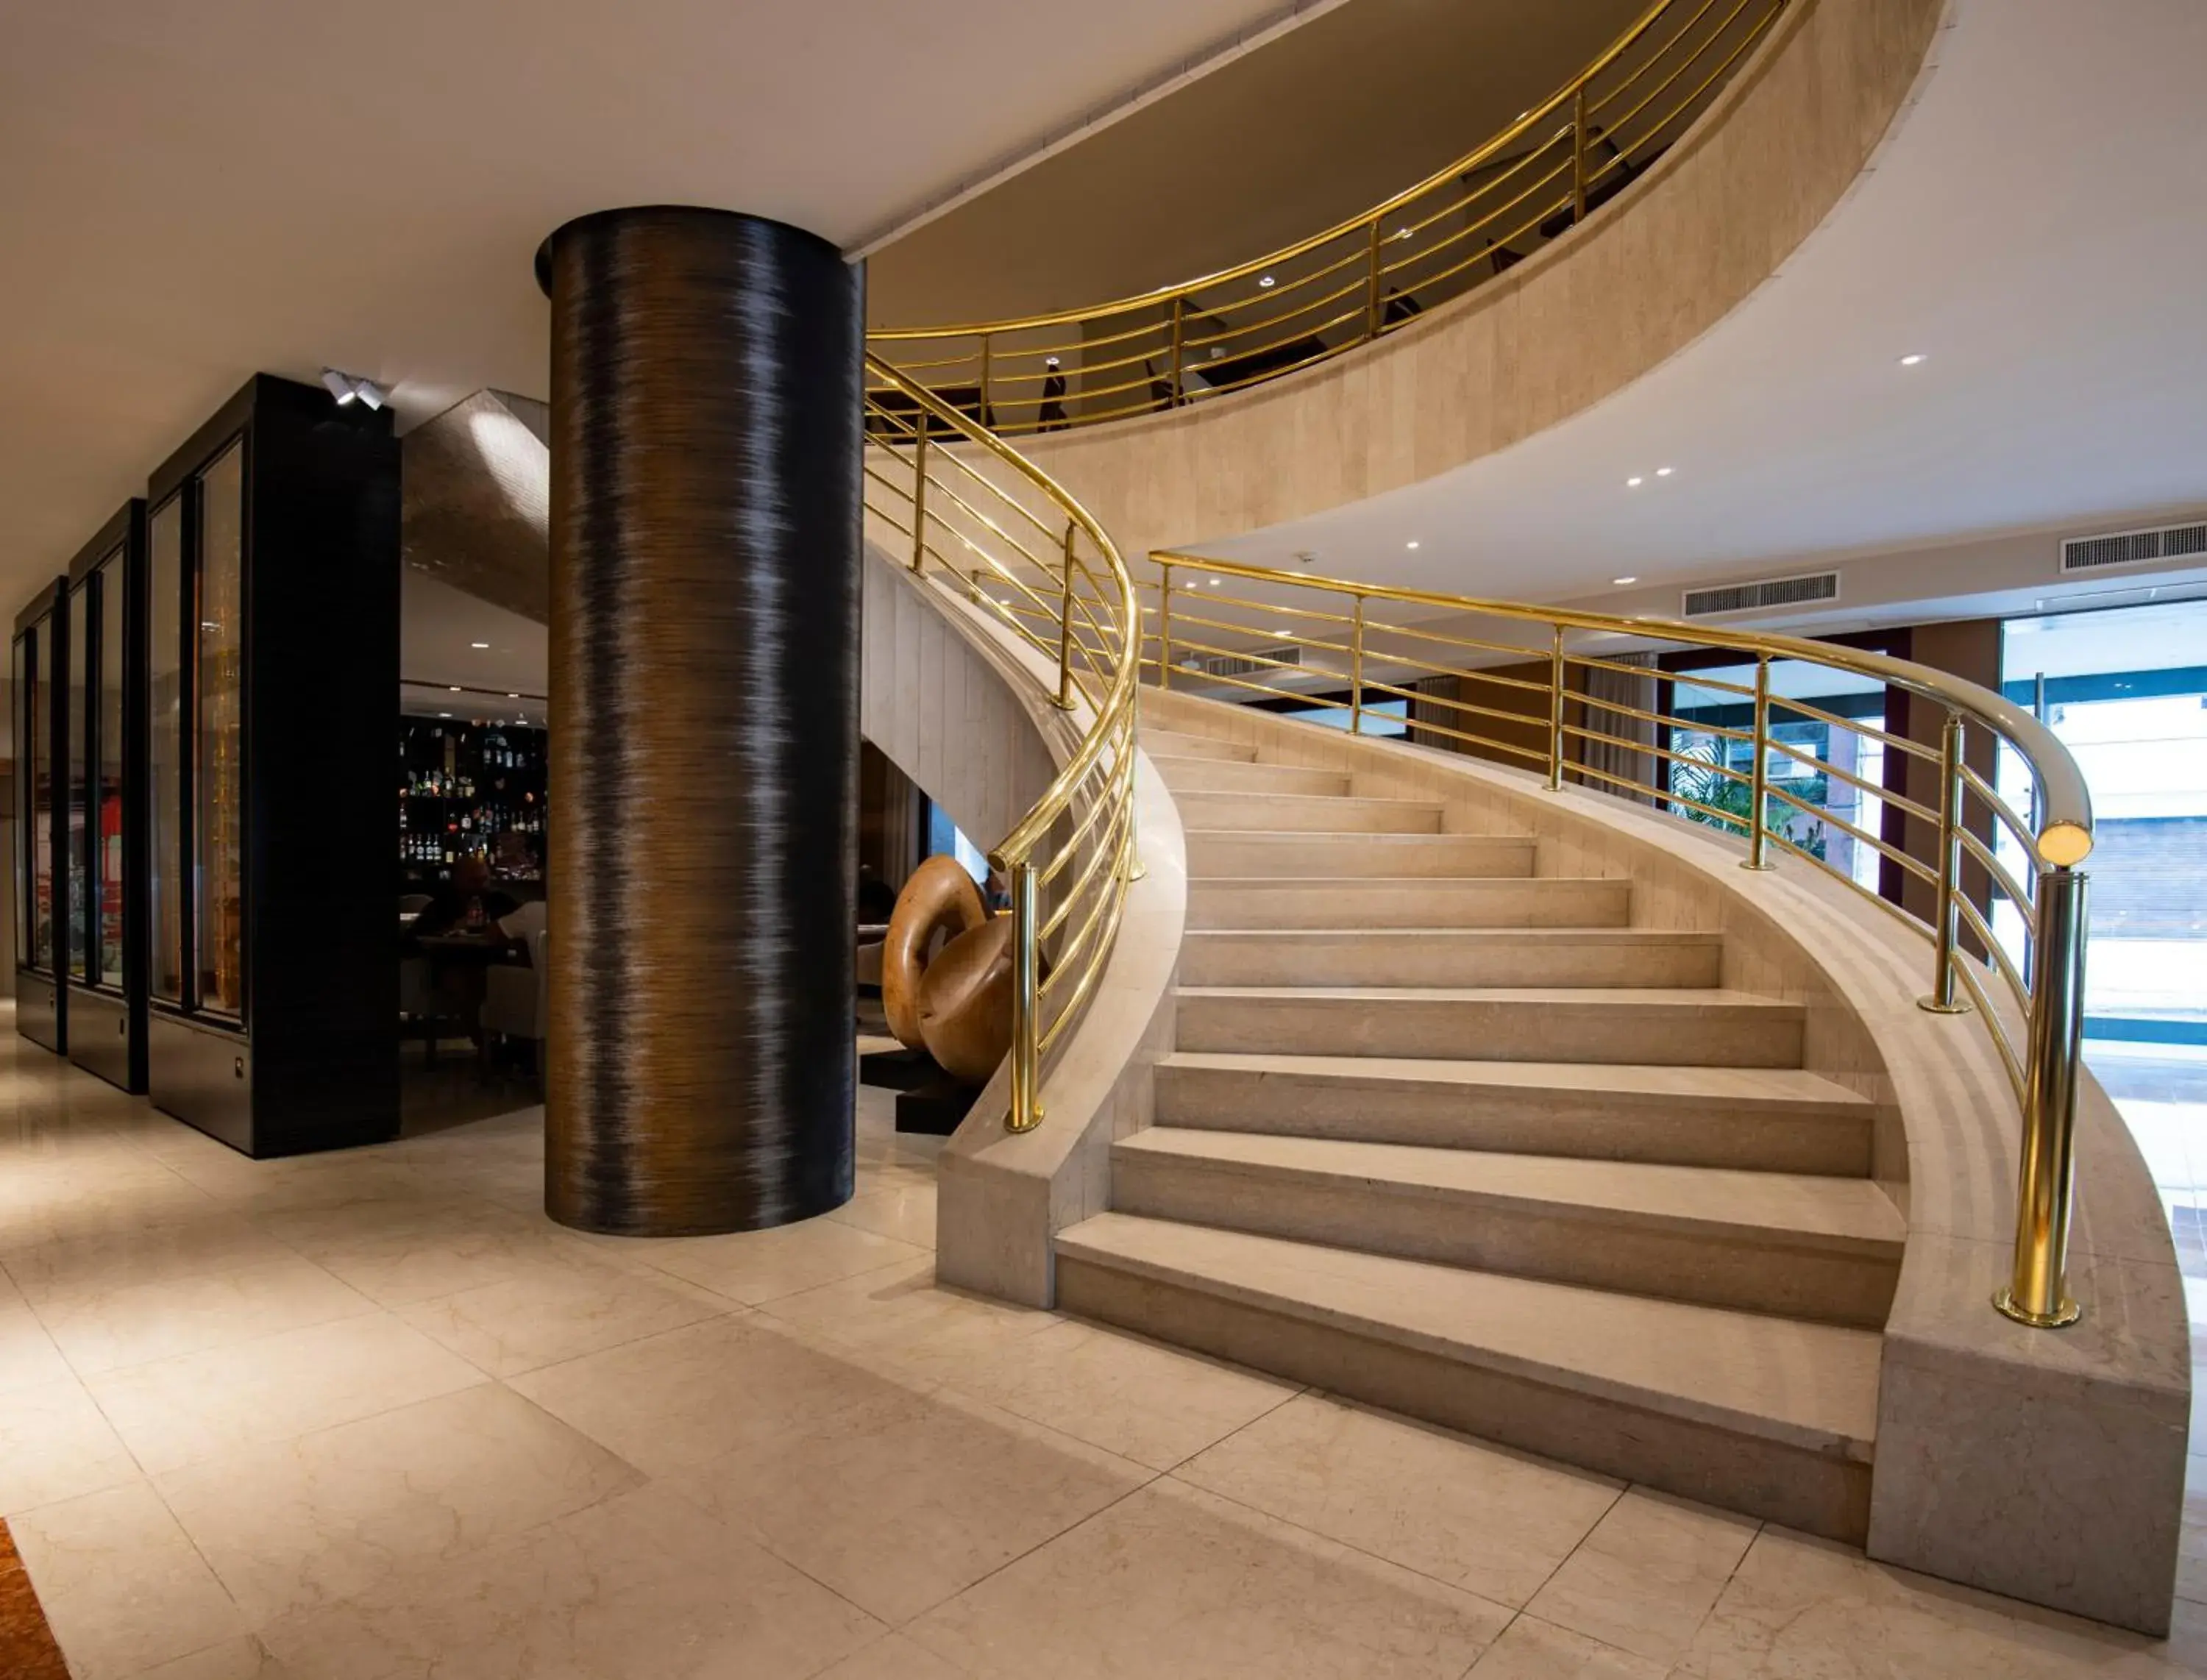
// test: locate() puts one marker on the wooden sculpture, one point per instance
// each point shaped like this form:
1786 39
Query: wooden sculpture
939 898
957 1005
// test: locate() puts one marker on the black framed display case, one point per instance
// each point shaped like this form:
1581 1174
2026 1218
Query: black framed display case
105 939
41 668
272 659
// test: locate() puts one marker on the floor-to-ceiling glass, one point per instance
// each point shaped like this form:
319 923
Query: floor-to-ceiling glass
107 852
164 732
219 739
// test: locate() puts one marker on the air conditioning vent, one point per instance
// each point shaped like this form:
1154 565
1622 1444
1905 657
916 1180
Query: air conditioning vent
1761 595
1268 660
2170 542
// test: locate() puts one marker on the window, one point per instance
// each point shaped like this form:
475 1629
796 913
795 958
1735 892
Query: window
108 844
164 720
77 723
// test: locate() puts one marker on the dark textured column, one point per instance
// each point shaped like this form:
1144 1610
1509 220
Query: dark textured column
704 699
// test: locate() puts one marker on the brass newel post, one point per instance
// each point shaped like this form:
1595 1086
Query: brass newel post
1759 778
1164 626
919 498
1356 672
1942 1000
1372 286
1065 625
1027 1003
1179 335
1578 156
1556 713
985 416
2037 1292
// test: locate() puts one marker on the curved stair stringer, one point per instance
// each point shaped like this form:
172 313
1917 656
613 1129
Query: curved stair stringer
1766 1287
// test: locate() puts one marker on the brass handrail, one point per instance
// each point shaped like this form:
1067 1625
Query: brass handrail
1248 657
1071 601
1541 176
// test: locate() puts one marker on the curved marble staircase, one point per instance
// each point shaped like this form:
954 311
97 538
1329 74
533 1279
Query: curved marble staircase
1460 1139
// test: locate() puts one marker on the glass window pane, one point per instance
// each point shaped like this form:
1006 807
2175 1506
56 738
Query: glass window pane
218 738
21 862
41 760
110 855
73 724
164 720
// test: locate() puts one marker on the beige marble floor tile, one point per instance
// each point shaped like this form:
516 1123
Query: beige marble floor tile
232 1659
175 1411
122 1586
900 1314
558 1310
756 1266
55 1444
1172 1581
1803 1606
1646 1576
438 1251
674 1401
28 1355
333 1514
211 1241
1531 1649
185 1315
94 1204
1492 1522
1153 1404
643 1585
893 1658
900 1208
900 1505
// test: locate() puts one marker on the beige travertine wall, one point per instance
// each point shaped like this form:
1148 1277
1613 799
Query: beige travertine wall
1582 318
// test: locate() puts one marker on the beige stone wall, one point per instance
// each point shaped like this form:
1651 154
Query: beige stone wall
1582 318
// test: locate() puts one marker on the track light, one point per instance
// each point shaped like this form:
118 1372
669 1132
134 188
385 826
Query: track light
349 388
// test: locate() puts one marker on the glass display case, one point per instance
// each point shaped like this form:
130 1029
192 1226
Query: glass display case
105 811
41 670
270 664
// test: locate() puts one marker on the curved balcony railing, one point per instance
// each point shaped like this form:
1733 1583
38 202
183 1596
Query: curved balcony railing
1557 164
1629 706
958 503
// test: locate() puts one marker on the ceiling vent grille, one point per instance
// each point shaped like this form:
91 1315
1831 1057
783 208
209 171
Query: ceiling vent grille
1268 660
1762 594
2170 542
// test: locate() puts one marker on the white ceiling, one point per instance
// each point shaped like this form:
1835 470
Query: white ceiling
438 629
2036 227
190 193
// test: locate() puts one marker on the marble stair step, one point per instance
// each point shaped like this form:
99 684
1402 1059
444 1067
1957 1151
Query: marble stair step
1451 956
1297 812
1790 1244
1769 1119
1172 743
1227 775
1773 1417
1425 901
1662 1026
1241 854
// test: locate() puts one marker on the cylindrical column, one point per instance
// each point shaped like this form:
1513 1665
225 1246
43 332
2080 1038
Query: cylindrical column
706 391
2037 1292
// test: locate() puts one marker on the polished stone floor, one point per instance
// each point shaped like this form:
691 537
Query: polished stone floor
372 1415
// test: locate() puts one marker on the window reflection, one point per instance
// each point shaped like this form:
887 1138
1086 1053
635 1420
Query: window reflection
218 738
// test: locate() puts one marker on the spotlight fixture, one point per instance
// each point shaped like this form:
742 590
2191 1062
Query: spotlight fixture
1634 483
1912 359
349 388
1664 472
1622 582
1266 282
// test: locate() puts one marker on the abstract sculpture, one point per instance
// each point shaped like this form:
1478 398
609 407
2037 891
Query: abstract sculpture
956 1005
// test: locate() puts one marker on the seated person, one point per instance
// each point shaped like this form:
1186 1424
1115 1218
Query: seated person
466 903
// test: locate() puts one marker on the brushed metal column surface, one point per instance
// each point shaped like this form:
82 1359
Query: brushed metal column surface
706 372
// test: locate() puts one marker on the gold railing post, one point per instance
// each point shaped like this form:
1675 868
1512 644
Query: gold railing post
1578 155
2037 1292
1556 713
1179 336
1941 1001
1371 285
1758 786
1065 625
1356 671
919 498
1164 626
1026 1004
985 417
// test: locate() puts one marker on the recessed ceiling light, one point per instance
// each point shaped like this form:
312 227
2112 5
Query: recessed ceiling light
1622 582
1216 582
1634 483
514 696
1911 358
456 688
444 715
1664 472
479 644
1266 282
1412 544
1403 233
